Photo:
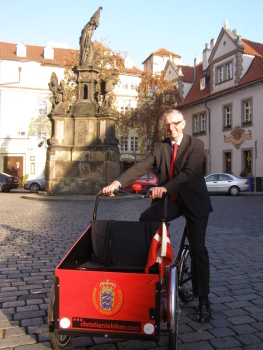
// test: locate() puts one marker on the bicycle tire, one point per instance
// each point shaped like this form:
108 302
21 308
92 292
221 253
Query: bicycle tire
173 308
57 341
185 280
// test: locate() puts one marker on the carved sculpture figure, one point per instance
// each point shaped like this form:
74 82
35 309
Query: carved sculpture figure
86 45
109 86
58 91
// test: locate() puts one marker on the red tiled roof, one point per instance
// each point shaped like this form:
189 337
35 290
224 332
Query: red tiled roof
195 93
36 54
188 73
254 73
252 48
163 52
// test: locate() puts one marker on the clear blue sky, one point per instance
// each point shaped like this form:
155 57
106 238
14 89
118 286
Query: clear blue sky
137 27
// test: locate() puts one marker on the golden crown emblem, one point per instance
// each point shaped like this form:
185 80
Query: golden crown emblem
107 286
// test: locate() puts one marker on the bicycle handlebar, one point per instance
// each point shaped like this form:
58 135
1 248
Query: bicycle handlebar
116 192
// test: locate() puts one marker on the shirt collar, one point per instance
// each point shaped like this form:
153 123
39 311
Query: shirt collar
178 142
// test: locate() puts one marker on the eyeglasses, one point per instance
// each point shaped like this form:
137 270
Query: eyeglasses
174 124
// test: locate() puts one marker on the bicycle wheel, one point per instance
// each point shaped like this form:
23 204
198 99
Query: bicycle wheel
173 308
185 291
58 341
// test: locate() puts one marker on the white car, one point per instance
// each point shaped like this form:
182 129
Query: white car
226 183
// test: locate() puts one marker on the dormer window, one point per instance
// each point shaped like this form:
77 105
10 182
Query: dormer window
224 72
48 53
229 71
202 83
220 71
21 50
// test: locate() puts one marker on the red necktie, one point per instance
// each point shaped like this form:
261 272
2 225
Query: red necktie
175 148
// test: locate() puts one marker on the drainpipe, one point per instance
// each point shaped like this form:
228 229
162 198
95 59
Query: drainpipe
209 137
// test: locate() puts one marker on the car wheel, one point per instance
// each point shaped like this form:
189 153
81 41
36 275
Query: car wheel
234 191
34 187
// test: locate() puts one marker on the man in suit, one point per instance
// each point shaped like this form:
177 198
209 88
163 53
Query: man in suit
188 194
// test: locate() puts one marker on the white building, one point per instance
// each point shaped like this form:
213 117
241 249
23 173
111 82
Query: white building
156 62
223 103
25 73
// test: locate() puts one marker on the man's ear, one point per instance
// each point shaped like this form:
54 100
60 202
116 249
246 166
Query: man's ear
183 124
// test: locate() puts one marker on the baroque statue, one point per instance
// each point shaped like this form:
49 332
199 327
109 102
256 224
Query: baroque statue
58 91
86 45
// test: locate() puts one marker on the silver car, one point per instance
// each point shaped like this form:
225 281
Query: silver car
226 183
35 185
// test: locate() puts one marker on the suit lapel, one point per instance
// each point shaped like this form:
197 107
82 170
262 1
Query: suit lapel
167 154
182 148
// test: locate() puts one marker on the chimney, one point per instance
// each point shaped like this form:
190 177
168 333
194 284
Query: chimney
212 43
206 54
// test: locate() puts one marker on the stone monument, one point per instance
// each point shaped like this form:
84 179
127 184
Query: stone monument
83 154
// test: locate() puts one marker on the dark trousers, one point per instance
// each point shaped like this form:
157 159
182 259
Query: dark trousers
195 235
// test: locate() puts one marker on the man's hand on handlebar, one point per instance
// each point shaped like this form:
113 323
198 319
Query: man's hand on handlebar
113 187
158 192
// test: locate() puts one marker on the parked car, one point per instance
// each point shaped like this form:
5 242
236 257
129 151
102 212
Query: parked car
147 181
226 183
35 185
8 182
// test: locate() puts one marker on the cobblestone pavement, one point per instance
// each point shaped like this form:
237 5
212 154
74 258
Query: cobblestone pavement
36 234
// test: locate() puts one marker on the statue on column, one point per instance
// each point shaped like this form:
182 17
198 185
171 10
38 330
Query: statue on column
86 45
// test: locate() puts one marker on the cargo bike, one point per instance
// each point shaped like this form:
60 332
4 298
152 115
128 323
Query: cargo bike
100 288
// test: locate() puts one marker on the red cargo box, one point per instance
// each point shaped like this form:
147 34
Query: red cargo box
90 298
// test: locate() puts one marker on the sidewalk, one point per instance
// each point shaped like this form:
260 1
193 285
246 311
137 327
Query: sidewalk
45 196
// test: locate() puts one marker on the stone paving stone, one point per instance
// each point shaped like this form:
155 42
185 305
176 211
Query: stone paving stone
235 312
40 346
17 341
258 325
196 346
241 320
222 332
136 345
225 343
243 329
248 339
195 336
15 331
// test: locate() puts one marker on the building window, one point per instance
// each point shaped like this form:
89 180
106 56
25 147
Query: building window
202 83
42 107
247 161
229 71
135 143
247 112
202 122
124 143
196 124
224 72
32 168
125 85
228 162
220 71
227 117
199 124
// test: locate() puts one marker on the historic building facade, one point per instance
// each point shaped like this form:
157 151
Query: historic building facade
222 103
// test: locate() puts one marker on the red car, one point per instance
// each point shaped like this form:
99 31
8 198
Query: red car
147 181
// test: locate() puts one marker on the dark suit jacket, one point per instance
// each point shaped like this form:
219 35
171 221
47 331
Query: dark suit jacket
188 178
